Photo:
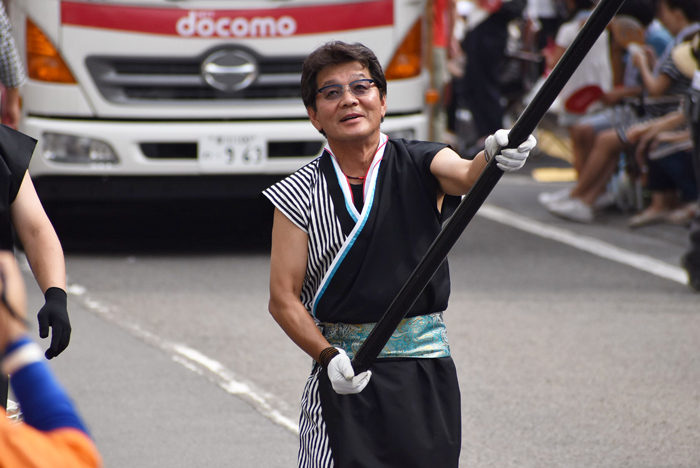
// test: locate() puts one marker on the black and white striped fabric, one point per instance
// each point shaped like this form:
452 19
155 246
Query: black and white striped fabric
303 198
314 448
11 70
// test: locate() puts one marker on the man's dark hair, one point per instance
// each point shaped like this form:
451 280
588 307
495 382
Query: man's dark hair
690 8
337 53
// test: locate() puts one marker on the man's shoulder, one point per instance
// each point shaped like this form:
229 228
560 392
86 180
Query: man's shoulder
303 177
412 146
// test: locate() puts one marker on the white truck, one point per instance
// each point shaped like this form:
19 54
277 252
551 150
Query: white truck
194 99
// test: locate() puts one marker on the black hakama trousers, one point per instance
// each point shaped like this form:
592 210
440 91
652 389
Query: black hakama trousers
408 416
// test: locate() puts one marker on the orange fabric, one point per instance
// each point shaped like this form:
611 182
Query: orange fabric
22 446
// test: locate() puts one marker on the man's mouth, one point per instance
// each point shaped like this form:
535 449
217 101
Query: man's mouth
349 117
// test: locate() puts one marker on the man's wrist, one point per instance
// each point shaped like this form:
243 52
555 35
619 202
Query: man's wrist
57 294
327 356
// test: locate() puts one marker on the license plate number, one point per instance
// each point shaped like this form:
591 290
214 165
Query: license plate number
231 152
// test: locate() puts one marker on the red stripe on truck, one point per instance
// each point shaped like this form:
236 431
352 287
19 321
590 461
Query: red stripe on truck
267 22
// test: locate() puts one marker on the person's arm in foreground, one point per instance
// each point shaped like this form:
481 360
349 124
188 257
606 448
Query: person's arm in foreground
11 110
52 434
288 259
45 256
457 176
12 73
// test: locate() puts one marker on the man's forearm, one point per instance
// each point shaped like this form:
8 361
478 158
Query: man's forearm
45 256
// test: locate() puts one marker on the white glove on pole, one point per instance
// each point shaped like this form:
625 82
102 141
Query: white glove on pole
508 159
342 375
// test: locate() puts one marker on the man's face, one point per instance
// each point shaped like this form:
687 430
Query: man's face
349 118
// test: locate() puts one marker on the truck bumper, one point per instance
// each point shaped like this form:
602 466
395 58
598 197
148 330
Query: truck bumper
160 160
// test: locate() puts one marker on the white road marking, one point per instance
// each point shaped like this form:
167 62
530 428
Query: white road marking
585 243
236 386
265 403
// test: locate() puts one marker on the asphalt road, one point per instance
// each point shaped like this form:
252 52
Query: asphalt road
566 358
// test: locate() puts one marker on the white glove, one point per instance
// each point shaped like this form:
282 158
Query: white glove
509 159
342 375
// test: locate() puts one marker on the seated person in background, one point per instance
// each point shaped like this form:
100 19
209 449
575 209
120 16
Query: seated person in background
680 18
52 434
664 160
595 71
584 131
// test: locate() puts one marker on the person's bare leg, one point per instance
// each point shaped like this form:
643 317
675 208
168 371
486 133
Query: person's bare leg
599 166
598 187
582 139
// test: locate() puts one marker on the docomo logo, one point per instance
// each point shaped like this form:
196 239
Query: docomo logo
204 25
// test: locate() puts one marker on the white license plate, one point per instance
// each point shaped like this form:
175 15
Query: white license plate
221 153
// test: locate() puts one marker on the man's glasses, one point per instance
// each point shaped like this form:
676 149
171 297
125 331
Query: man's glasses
358 88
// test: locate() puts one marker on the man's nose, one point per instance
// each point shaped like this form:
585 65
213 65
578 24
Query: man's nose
347 97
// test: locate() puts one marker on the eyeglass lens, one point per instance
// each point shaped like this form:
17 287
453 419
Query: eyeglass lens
357 88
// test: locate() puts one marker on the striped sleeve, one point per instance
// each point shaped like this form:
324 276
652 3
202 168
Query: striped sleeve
292 196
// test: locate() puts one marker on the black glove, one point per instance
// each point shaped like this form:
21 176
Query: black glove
54 314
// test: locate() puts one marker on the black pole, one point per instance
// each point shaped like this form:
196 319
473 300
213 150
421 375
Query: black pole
4 390
525 125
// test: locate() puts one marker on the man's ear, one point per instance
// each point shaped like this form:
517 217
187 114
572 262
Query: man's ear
313 116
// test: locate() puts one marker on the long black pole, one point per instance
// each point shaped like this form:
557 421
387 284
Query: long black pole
4 390
524 126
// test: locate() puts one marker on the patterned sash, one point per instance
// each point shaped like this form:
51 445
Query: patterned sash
424 336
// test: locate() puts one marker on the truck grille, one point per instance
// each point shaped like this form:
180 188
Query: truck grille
134 80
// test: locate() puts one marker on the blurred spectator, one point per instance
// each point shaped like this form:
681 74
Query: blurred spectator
548 18
12 73
443 20
662 157
687 58
21 209
52 434
593 75
583 133
680 18
484 46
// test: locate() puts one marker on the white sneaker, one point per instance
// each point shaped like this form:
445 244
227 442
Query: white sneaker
604 201
546 198
572 209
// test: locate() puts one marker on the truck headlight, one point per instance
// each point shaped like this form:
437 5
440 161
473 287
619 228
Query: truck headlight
77 150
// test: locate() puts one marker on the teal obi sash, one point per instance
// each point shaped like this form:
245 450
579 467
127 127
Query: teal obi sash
424 336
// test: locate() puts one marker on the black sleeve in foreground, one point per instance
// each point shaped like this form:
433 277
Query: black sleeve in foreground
16 150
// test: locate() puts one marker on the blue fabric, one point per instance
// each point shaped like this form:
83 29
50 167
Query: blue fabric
45 404
658 37
12 346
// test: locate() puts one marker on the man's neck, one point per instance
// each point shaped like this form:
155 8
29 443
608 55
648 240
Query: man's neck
355 157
